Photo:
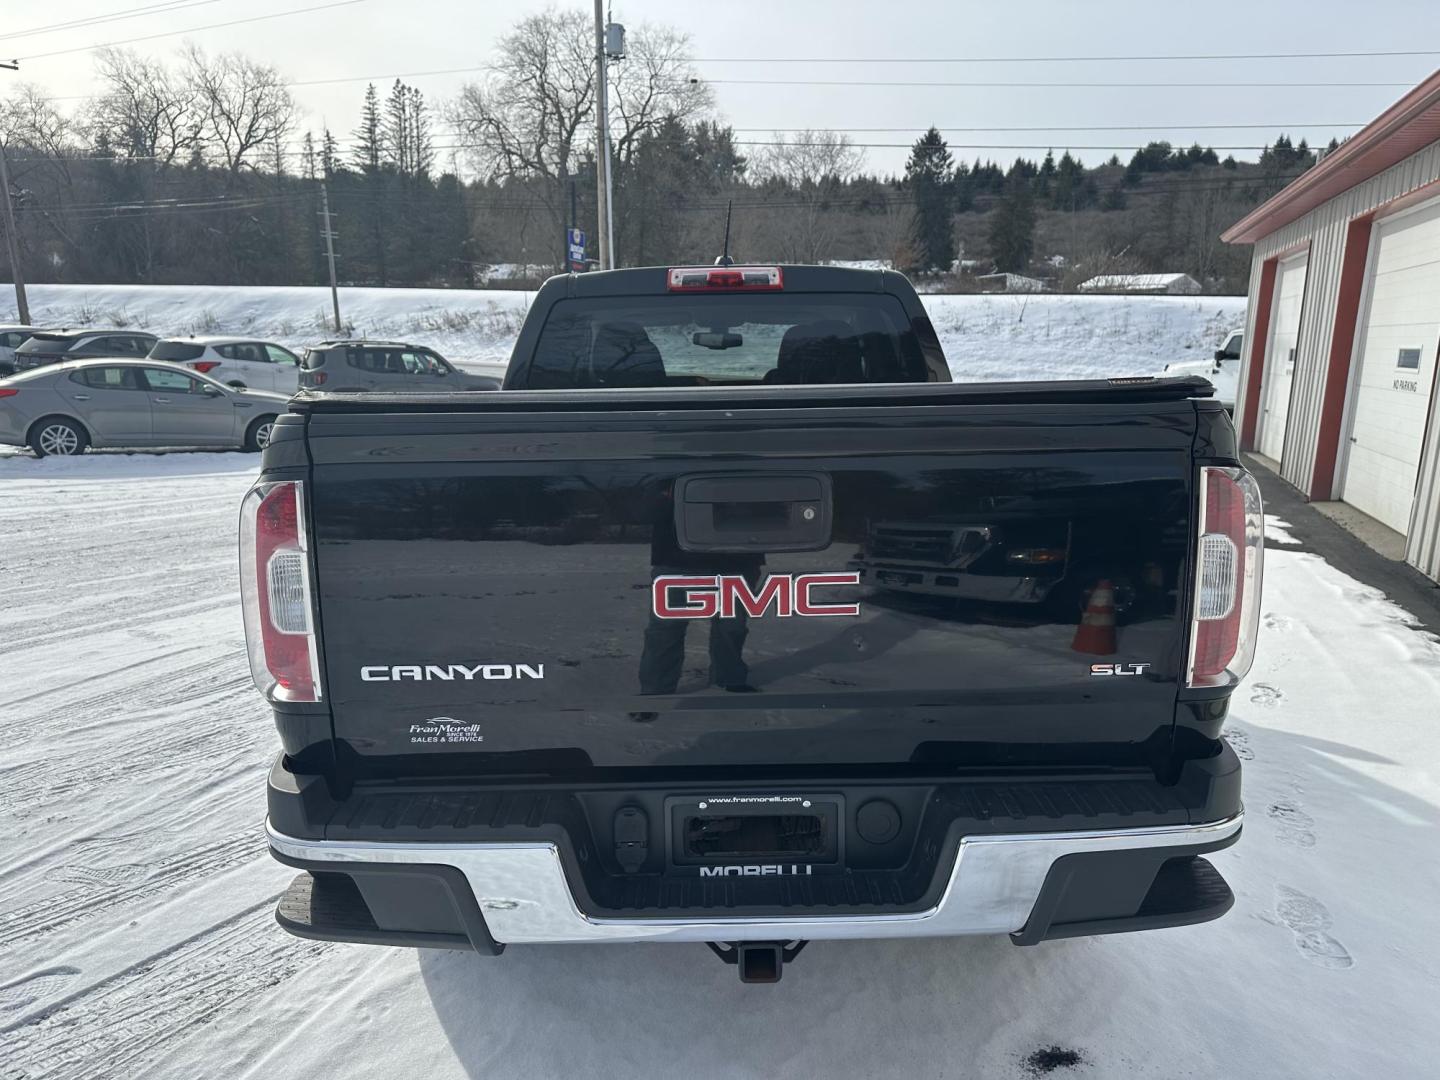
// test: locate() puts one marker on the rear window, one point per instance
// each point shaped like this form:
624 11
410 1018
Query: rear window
46 343
108 378
177 352
735 339
393 361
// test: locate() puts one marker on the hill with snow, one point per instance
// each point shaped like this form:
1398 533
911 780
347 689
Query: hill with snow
986 338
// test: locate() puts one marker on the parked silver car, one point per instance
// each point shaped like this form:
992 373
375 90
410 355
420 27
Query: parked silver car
387 367
65 408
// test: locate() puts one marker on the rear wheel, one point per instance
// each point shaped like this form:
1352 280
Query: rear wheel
258 436
57 436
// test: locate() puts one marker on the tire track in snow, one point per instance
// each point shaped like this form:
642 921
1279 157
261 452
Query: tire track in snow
122 1026
109 620
139 686
59 777
85 680
108 889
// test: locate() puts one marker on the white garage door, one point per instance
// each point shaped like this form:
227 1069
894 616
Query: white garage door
1396 366
1280 354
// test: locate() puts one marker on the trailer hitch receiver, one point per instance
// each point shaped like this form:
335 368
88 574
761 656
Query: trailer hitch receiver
757 961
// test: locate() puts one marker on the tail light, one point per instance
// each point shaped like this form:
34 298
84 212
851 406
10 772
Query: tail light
1228 559
275 592
317 378
8 392
726 279
205 366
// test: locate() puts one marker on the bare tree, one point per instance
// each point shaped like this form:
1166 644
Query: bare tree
653 84
244 104
527 117
143 111
28 118
809 171
532 116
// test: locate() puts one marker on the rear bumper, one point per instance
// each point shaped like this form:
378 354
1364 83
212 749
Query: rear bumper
1033 886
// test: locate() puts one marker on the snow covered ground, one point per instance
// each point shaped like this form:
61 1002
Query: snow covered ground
985 337
136 936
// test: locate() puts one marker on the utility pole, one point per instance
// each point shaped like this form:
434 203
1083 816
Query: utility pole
613 48
330 251
602 144
22 305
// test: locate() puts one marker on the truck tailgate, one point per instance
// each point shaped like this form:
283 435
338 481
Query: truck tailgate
999 583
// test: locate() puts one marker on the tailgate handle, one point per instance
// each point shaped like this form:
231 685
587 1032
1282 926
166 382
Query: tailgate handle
753 513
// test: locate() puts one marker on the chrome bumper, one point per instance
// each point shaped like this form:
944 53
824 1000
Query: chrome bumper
523 892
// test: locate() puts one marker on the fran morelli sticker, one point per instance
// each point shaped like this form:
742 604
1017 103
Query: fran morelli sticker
445 729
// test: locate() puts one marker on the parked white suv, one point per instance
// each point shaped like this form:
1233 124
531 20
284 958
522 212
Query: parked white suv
235 361
1223 370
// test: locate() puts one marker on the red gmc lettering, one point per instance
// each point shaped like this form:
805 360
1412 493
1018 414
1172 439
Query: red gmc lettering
737 589
727 595
697 605
805 606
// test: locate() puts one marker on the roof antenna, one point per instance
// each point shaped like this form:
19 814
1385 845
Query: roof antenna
725 259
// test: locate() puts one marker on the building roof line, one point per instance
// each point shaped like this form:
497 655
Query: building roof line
1409 125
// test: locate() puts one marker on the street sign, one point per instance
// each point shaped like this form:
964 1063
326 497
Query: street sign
575 241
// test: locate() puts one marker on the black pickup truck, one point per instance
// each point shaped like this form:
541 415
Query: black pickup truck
731 619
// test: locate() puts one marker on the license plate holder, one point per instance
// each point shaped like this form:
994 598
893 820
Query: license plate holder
754 835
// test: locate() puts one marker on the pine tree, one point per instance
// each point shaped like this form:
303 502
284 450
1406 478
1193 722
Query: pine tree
369 147
1069 190
422 148
369 156
395 129
1045 178
308 166
1012 227
329 154
928 174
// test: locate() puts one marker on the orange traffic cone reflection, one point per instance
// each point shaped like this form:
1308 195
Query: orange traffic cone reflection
1097 626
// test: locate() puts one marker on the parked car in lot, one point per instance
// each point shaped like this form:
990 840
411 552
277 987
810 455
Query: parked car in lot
1222 370
11 338
53 346
392 367
65 408
236 361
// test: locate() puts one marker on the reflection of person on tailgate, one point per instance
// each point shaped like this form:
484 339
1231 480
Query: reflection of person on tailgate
663 658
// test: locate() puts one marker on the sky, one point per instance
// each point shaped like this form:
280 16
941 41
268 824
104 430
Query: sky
869 44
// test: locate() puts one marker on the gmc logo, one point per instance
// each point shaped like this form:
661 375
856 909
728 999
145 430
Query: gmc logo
677 596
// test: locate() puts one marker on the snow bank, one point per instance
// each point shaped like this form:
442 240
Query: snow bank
467 325
997 337
986 338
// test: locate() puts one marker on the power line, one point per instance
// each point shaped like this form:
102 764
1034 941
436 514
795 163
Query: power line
1092 127
390 75
988 84
182 202
953 146
976 84
195 29
168 7
1059 59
